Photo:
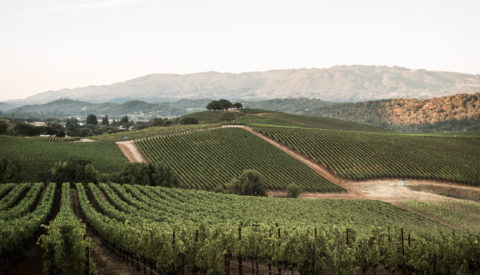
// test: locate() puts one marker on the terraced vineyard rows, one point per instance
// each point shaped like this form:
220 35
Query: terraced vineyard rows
192 230
206 159
363 155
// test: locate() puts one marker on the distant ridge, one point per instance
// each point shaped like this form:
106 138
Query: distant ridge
336 84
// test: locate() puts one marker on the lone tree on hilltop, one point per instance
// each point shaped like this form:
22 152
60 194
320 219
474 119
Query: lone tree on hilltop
221 104
92 120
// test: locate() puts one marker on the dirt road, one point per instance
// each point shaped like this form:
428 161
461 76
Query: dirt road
130 150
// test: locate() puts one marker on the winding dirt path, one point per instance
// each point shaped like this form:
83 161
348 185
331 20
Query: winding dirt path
130 150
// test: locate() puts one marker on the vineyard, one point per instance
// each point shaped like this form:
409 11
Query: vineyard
37 156
363 155
18 224
206 159
53 138
171 230
157 227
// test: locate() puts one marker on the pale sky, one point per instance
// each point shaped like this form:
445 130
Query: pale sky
55 44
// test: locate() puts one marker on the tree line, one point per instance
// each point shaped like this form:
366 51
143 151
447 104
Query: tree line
224 105
91 126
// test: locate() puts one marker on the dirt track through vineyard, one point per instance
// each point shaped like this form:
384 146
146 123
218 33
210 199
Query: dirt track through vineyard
388 190
130 150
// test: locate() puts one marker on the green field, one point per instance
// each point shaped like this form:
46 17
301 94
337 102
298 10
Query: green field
206 159
367 155
37 156
152 131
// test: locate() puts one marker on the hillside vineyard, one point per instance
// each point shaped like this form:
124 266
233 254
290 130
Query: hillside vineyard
362 155
206 159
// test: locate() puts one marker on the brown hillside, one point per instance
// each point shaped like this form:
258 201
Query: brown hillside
454 113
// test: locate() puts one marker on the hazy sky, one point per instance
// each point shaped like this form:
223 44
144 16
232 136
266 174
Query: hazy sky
55 44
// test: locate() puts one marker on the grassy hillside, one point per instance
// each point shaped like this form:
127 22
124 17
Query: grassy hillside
37 156
206 159
364 155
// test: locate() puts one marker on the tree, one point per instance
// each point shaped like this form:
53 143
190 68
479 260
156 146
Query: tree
3 127
92 119
225 104
148 174
105 121
238 106
221 104
24 129
213 105
163 176
124 120
188 120
72 124
71 171
249 183
10 171
293 190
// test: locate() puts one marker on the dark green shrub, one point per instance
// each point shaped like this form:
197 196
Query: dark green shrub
293 190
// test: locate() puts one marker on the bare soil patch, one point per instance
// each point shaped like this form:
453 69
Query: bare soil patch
130 150
85 140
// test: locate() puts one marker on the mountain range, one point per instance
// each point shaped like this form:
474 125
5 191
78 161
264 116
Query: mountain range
335 84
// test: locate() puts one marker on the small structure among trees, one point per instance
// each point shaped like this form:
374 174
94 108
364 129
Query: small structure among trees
224 105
